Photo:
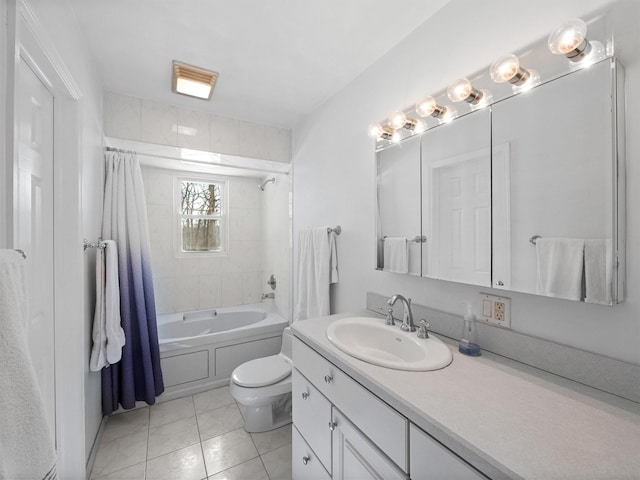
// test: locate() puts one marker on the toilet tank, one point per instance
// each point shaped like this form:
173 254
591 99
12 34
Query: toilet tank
287 342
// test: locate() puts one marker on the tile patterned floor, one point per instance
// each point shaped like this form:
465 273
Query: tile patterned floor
192 438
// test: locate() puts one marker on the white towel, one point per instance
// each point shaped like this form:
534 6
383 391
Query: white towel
396 255
26 442
560 267
108 335
317 269
597 271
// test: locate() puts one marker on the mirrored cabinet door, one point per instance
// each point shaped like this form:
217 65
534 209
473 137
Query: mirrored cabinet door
398 208
456 200
553 188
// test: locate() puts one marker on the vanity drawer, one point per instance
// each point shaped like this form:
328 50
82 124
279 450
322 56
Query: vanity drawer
312 415
304 463
382 424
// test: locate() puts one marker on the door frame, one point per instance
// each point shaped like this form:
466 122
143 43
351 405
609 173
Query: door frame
30 42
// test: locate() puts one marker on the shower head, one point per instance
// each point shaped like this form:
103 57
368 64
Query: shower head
272 179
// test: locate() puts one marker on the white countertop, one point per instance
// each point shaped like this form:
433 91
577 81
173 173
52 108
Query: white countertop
505 418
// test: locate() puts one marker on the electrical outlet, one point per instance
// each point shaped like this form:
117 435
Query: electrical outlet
496 310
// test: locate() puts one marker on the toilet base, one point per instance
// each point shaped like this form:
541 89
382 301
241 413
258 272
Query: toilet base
263 418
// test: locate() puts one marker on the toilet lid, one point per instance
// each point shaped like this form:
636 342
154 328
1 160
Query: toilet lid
261 371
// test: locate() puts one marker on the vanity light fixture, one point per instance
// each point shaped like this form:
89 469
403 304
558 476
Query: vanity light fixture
462 90
398 120
383 132
428 106
193 81
570 40
508 69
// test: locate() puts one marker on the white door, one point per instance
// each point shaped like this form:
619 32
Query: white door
462 219
34 225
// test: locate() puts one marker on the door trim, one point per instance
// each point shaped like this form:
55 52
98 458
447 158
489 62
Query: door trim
31 43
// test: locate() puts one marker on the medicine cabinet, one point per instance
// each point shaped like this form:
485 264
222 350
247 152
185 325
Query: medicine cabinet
474 197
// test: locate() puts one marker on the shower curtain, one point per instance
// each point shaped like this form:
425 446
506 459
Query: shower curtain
137 376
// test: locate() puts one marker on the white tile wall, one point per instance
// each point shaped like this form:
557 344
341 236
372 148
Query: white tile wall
147 121
122 116
195 283
158 123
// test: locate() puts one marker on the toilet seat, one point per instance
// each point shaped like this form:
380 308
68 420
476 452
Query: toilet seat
262 371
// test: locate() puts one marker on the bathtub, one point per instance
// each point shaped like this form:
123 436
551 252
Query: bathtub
200 349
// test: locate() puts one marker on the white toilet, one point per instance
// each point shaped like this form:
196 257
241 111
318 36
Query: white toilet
263 387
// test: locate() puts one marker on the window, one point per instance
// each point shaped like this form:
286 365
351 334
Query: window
201 220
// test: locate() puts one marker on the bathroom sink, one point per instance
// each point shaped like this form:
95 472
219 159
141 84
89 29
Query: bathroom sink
370 340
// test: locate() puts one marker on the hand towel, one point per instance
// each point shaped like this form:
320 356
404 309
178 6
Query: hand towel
396 255
597 271
333 259
108 335
26 442
560 266
314 273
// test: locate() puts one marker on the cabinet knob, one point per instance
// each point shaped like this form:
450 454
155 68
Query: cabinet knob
328 379
305 460
305 395
500 283
332 426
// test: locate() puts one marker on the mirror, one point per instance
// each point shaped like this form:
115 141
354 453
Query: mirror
456 200
524 196
553 186
398 208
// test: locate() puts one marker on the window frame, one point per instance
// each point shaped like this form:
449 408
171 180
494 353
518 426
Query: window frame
178 216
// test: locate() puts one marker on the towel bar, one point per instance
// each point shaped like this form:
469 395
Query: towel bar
86 244
533 239
337 230
21 252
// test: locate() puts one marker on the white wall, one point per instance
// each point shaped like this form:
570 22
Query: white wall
5 181
57 19
334 166
143 120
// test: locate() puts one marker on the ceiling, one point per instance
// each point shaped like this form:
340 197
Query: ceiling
277 59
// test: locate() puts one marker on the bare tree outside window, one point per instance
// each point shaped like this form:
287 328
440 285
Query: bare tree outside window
201 211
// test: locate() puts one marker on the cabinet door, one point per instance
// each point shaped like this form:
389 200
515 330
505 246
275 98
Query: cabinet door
429 460
305 464
311 416
355 456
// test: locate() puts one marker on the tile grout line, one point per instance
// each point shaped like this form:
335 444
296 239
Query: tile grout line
257 451
206 471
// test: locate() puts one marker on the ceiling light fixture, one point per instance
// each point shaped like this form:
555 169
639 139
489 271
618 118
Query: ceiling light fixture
462 90
193 81
428 106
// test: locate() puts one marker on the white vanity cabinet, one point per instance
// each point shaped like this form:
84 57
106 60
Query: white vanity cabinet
430 460
343 431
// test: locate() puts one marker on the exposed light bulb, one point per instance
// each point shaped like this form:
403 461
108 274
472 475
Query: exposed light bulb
428 106
462 90
570 40
395 137
419 126
508 69
397 120
375 130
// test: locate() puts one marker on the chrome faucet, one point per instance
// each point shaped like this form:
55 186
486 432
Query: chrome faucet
407 322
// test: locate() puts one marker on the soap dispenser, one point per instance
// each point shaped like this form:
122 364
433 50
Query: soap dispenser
469 339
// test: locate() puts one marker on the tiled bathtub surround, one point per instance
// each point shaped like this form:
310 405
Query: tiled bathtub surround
192 438
143 120
183 284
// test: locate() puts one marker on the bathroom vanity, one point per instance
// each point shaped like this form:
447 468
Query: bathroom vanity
480 417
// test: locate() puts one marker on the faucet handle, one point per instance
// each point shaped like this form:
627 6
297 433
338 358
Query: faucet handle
423 329
390 320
